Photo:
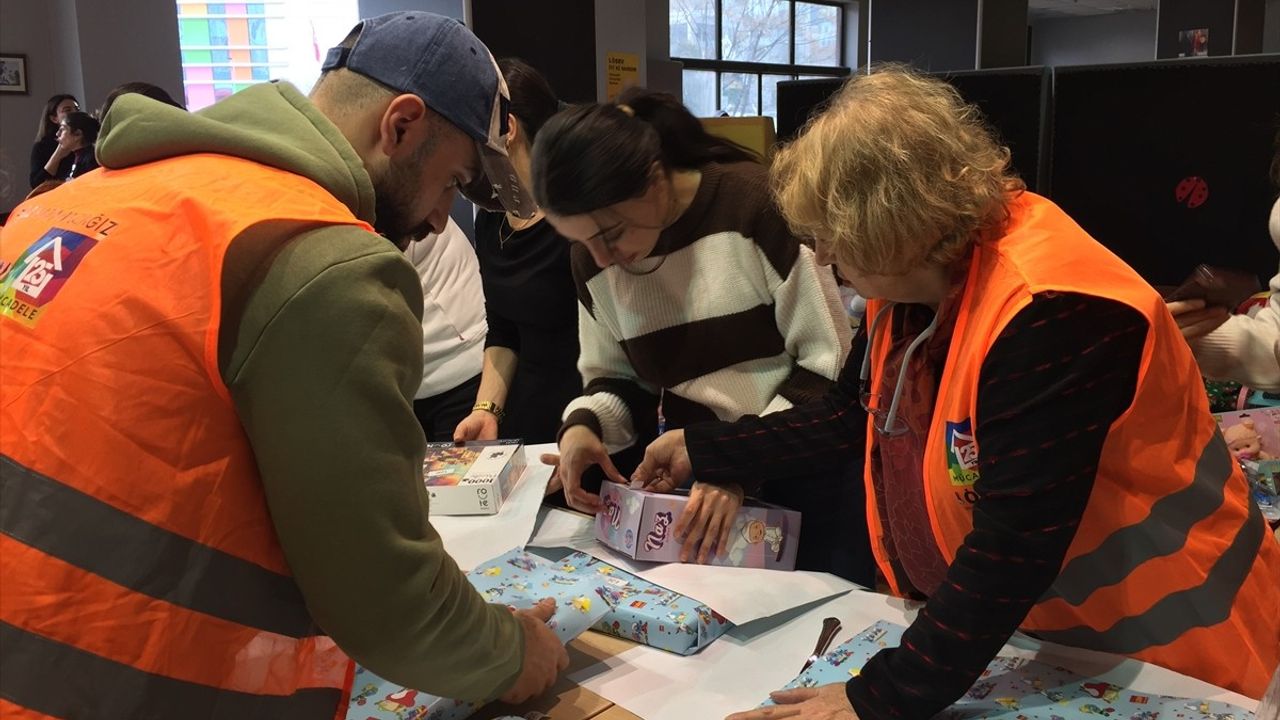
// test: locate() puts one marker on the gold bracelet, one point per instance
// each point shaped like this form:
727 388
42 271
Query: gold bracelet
492 408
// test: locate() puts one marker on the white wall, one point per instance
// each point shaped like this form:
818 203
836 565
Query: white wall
68 70
84 47
448 8
1094 39
25 30
134 41
620 27
1271 27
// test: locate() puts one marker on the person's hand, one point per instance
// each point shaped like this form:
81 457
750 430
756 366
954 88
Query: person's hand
544 656
554 484
60 153
479 425
1195 320
579 450
825 702
704 526
666 463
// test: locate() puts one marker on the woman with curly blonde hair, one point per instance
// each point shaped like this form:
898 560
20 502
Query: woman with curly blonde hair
1038 457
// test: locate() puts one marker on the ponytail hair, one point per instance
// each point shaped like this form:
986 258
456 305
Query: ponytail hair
533 102
591 156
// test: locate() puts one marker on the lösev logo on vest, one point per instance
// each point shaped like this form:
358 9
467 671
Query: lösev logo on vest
39 273
962 454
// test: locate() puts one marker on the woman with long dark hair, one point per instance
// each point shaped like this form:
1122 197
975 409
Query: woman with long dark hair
694 297
531 351
46 139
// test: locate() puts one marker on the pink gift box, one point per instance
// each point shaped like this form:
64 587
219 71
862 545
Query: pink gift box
640 525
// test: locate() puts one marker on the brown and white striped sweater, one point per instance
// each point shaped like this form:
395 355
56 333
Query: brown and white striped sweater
730 317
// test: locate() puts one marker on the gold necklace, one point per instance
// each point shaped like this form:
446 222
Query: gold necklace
502 241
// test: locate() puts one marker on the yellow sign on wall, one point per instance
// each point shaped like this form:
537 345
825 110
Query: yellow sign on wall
621 72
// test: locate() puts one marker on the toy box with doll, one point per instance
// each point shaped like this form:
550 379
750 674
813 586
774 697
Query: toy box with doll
1253 437
639 524
517 579
646 613
1016 688
474 478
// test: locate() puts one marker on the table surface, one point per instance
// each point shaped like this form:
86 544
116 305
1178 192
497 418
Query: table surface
566 700
654 682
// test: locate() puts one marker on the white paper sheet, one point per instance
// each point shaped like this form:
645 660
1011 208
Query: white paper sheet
740 594
473 539
736 673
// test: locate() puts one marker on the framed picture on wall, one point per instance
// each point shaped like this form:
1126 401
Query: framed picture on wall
13 74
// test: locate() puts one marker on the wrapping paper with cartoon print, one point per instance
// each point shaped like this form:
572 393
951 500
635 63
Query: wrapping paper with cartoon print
1014 688
517 579
648 613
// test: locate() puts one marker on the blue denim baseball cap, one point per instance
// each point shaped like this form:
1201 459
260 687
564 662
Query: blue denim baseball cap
441 61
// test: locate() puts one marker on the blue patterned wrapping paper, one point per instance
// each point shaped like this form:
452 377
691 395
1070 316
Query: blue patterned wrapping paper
1015 688
648 613
517 579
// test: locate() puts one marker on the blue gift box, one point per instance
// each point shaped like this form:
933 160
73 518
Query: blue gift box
648 613
517 579
1015 688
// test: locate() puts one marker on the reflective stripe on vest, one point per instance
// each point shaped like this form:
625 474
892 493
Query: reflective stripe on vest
110 543
38 673
1171 562
1163 532
1177 613
141 573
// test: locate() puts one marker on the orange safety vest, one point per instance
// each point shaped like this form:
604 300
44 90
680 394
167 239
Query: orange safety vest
1172 563
142 575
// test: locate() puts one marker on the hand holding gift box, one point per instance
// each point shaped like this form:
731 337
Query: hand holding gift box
641 525
474 478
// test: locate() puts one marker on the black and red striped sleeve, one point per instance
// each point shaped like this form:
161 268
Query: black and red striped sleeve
1063 370
822 436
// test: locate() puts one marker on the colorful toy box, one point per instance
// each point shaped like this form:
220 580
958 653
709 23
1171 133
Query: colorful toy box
639 524
1253 436
517 579
1015 688
647 613
471 479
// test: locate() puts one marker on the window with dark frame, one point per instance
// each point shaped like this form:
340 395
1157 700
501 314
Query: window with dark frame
736 51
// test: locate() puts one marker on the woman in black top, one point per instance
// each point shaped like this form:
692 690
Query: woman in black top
531 352
77 136
58 107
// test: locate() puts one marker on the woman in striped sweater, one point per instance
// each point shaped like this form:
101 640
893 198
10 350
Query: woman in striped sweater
693 294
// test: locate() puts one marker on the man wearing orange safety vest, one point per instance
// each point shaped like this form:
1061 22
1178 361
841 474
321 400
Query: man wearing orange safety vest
1039 453
210 471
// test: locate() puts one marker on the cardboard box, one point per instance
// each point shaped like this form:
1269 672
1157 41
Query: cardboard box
516 578
471 479
648 613
754 133
639 524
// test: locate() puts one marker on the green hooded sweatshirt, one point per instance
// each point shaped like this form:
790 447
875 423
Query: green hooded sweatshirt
320 344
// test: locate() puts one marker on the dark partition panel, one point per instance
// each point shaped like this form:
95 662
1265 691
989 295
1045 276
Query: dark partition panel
1167 162
798 100
1015 102
558 37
